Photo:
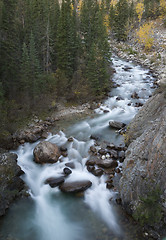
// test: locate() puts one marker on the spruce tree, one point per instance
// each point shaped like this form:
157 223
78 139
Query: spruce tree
54 21
66 40
120 20
112 16
151 8
132 13
95 46
10 49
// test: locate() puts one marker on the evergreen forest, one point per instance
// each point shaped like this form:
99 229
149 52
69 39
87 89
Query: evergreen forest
52 50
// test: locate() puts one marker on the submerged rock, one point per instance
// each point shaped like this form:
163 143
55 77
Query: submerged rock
46 152
70 165
74 187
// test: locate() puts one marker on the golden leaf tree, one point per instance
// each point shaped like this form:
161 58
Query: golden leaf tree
140 10
145 35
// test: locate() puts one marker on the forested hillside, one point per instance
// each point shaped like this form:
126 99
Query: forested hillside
53 49
50 50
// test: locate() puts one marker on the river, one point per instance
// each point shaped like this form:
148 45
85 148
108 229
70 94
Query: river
49 214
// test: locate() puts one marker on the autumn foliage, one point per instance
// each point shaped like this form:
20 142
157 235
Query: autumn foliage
145 35
139 10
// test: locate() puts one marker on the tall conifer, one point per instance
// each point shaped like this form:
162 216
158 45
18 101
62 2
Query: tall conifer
120 20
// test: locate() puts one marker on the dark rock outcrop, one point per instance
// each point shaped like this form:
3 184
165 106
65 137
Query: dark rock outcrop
46 152
10 182
144 167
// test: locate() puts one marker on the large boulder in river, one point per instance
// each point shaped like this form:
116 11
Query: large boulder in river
46 152
74 187
143 182
117 125
10 182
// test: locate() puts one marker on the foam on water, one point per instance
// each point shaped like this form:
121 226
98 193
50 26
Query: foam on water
52 222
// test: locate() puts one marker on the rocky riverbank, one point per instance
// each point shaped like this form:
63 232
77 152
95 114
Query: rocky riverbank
38 128
11 184
142 179
154 59
142 185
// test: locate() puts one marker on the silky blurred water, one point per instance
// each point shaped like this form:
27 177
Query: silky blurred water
49 214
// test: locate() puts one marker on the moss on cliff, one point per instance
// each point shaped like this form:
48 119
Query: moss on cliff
149 210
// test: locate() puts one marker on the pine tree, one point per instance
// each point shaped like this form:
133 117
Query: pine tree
95 46
151 8
120 20
66 40
10 49
132 12
112 16
54 21
25 69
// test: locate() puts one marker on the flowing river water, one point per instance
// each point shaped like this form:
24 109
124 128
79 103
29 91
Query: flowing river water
49 214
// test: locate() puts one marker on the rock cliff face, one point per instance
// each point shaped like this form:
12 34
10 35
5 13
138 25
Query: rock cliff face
143 183
10 182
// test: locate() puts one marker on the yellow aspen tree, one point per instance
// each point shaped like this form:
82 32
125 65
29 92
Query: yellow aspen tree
113 3
79 6
106 22
145 35
140 10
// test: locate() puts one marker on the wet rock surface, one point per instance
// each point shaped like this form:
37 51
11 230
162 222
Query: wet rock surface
117 125
74 187
46 152
54 182
107 163
10 182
